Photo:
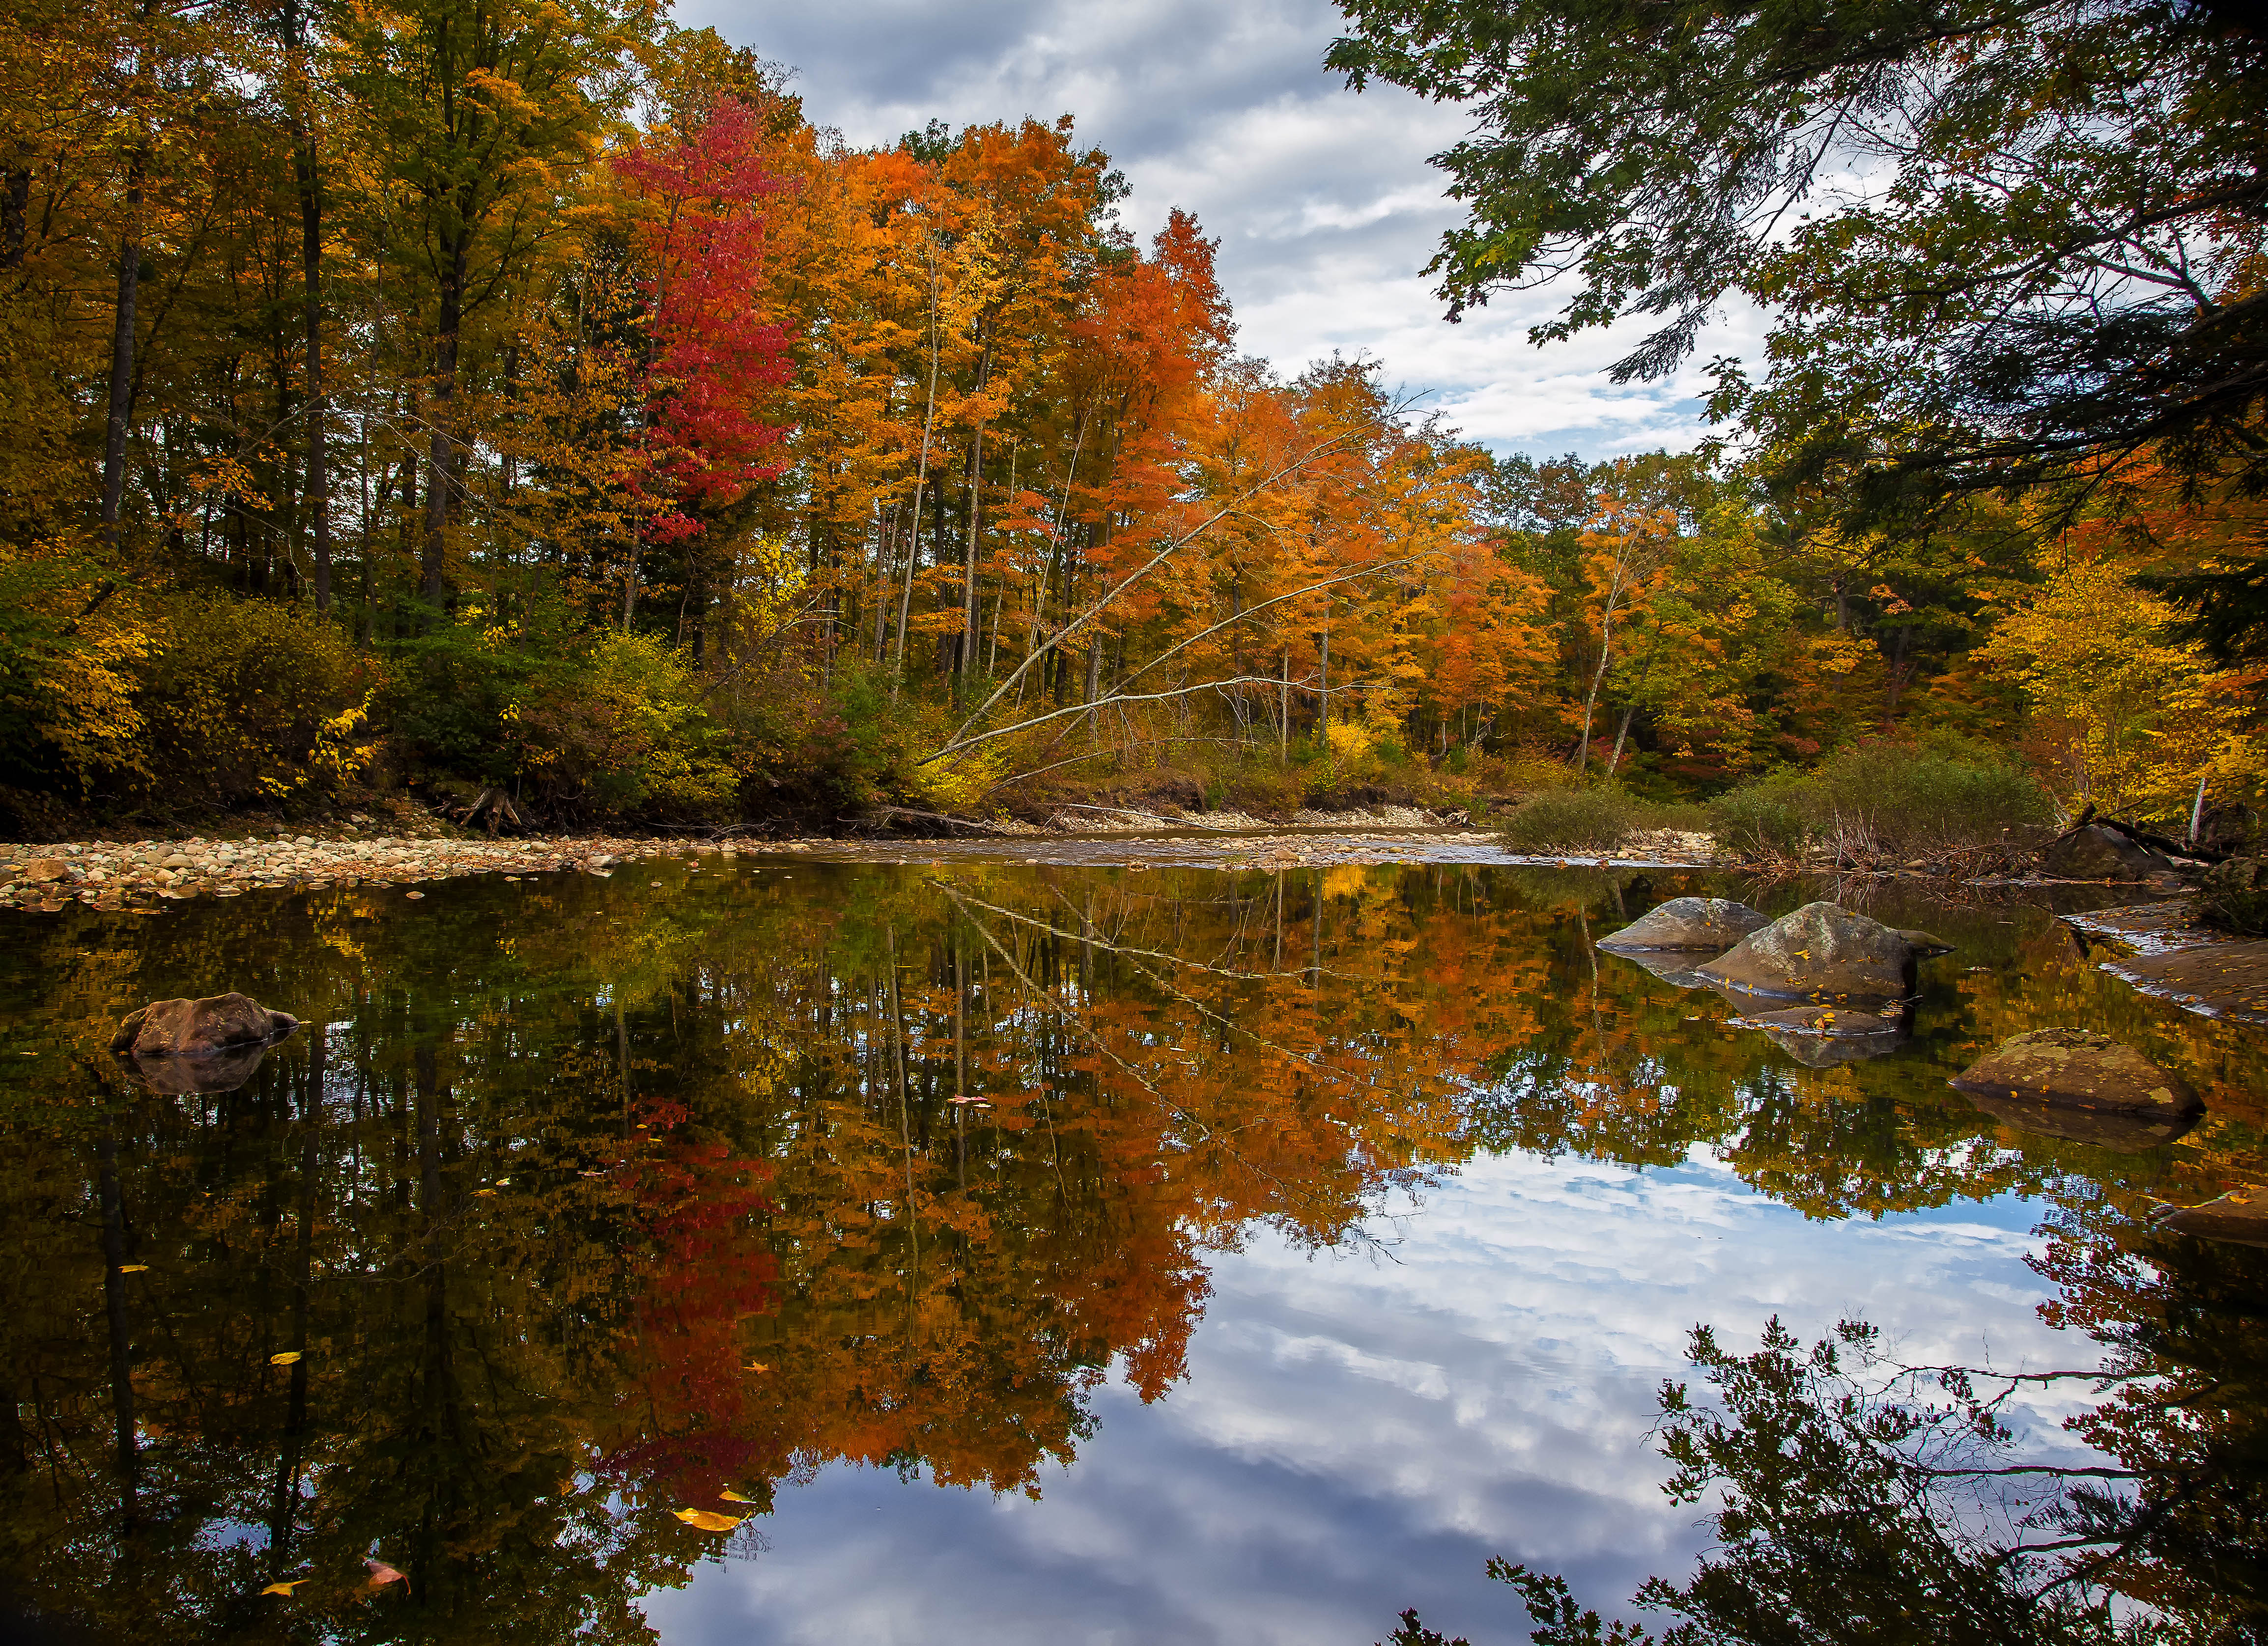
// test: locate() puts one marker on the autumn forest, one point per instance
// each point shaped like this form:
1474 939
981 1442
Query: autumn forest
433 399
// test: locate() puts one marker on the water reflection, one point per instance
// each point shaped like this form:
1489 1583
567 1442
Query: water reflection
578 1204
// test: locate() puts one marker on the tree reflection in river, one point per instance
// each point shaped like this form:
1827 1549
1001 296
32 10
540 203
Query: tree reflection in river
584 1204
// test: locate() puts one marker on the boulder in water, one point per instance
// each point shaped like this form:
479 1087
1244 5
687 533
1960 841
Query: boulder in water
2079 1070
1689 922
1820 952
2241 1215
199 1028
1821 1037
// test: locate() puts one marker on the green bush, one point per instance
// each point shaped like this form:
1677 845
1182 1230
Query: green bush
621 729
1588 819
1884 796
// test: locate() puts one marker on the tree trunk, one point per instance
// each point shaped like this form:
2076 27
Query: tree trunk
113 1297
439 468
15 217
121 358
317 502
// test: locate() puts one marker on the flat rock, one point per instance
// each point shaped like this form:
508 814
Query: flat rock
1822 952
2241 1215
1715 923
199 1028
2079 1070
1821 1037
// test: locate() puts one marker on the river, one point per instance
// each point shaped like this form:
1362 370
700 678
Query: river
762 1249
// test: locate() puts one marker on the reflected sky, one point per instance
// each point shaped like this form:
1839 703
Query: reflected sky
786 1191
1361 1430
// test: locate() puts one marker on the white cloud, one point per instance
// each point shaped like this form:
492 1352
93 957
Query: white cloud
1324 205
1357 1435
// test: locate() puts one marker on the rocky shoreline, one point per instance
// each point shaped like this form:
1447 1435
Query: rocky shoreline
131 874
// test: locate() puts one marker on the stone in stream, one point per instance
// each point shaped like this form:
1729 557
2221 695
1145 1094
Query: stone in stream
1820 952
1714 923
2241 1215
1821 1037
199 1028
2076 1083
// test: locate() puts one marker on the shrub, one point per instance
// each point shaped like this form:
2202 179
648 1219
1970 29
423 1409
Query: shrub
1578 819
249 702
621 729
1943 794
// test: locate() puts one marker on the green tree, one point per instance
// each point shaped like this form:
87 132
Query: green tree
1997 238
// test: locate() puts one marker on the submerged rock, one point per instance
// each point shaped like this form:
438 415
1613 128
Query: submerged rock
2128 1133
1924 946
2241 1215
1688 922
2082 1070
1821 1037
218 1072
199 1028
1820 952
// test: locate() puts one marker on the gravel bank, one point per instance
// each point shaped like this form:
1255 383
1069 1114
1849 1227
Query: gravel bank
115 874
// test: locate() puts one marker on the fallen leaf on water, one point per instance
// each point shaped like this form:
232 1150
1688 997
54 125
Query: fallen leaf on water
413 894
709 1519
731 1496
284 1359
134 1268
381 1575
480 1192
756 1365
981 1103
283 1589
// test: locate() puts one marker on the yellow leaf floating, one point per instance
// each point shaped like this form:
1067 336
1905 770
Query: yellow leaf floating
283 1589
756 1365
284 1359
731 1496
707 1520
134 1268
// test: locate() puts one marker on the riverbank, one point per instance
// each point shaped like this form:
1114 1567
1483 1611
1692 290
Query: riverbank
118 875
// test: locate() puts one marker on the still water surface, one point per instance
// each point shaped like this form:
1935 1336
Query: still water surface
1028 1254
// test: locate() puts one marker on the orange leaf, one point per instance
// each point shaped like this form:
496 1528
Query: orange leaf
707 1520
731 1496
284 1359
283 1589
381 1575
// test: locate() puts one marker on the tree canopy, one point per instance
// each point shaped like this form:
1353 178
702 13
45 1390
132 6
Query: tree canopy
1998 239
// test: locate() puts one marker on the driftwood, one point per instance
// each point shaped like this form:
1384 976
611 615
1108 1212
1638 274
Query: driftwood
496 807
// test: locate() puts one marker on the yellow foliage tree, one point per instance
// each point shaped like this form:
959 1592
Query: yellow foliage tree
2121 715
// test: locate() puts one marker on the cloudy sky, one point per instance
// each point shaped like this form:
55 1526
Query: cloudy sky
1356 1436
1321 198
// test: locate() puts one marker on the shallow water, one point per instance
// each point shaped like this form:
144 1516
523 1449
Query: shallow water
1314 1237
